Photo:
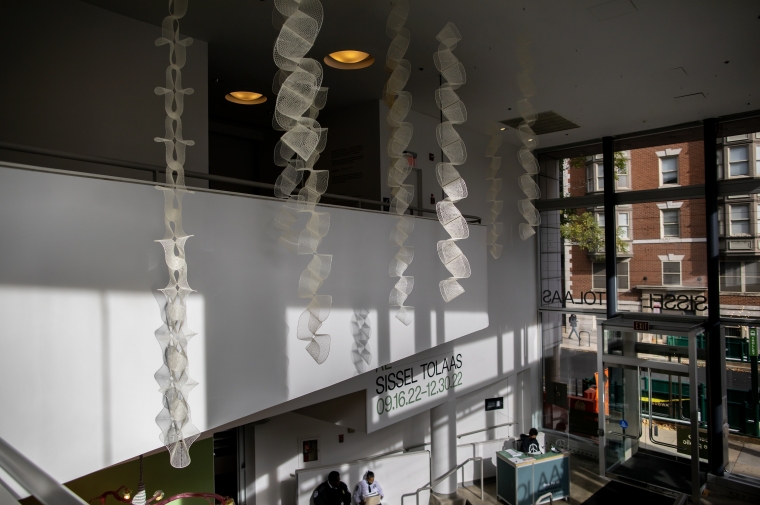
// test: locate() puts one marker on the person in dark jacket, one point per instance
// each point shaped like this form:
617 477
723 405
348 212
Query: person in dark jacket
528 443
332 492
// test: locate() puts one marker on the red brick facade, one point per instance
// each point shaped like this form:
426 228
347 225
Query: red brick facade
646 244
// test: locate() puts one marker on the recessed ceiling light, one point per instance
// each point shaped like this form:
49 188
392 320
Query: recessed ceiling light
349 59
245 97
502 129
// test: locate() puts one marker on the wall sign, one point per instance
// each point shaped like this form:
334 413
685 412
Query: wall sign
494 403
667 301
683 444
404 390
641 325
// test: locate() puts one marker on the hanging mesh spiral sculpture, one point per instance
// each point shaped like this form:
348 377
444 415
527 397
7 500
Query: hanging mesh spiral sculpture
177 430
361 331
453 147
530 142
399 103
300 97
494 227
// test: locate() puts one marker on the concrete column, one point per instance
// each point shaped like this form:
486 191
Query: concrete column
443 446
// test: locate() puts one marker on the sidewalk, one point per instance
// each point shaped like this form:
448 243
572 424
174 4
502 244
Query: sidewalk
588 336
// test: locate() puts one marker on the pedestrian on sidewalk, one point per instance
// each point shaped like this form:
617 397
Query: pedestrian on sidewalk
574 327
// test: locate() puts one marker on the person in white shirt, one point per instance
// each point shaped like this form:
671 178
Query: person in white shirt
367 487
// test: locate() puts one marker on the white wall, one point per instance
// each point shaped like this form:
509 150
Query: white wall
79 78
403 474
277 449
78 278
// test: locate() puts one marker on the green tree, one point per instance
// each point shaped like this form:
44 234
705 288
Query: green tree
584 231
621 163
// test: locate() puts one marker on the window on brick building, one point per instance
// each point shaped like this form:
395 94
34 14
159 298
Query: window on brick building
669 169
671 223
624 225
738 161
719 159
622 272
740 276
671 273
739 220
599 276
594 177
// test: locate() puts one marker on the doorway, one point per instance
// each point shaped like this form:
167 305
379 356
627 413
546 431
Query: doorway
651 404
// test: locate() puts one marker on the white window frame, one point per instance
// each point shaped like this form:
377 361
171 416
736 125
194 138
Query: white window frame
627 174
662 223
604 276
730 220
677 171
748 161
742 276
629 235
594 275
627 276
680 272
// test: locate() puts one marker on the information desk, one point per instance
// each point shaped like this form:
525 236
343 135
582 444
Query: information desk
523 482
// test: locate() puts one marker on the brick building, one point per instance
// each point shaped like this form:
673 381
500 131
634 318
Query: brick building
663 268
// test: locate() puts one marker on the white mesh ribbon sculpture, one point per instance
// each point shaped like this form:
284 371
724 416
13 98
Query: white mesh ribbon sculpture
530 142
494 227
300 97
361 331
399 103
453 147
177 430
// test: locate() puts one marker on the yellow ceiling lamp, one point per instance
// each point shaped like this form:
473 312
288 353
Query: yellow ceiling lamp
349 59
245 97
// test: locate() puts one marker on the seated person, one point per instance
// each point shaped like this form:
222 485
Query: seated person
332 492
366 488
528 443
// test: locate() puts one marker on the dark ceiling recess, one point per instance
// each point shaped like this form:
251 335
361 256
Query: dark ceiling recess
546 122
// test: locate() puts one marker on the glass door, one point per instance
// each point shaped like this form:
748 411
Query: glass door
648 431
651 404
623 423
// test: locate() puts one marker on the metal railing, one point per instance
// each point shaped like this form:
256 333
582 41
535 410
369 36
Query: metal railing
543 497
448 474
189 174
486 429
33 479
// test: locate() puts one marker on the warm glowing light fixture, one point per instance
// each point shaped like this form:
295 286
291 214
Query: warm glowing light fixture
245 97
349 59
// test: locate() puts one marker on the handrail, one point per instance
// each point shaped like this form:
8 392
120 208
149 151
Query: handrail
33 479
545 495
449 474
486 429
155 169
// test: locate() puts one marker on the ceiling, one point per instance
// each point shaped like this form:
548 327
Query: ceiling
611 76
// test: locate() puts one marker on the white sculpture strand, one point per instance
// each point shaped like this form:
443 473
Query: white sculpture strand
530 142
300 97
361 331
453 147
177 430
399 103
494 227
